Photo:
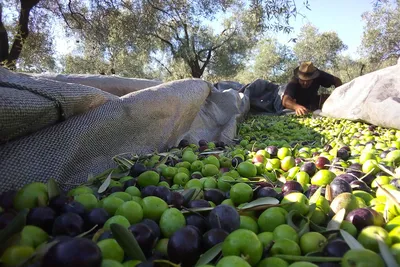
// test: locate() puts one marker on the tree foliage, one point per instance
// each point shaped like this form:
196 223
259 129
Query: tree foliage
274 61
106 44
322 49
178 28
381 38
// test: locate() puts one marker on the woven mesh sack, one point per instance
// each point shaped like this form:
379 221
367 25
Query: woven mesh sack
141 122
29 104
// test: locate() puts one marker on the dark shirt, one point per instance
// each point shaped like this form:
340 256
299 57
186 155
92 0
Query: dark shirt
308 97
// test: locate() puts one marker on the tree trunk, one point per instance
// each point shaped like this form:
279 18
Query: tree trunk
197 72
194 64
22 33
3 39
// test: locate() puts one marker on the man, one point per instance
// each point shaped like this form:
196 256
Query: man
301 93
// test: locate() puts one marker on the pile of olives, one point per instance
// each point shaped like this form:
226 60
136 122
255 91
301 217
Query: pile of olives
289 191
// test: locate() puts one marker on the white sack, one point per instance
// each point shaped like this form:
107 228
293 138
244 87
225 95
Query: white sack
373 98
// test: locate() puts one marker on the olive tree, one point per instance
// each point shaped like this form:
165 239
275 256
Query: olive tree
381 37
322 49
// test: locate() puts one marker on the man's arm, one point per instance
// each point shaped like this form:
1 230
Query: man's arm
337 82
327 80
290 103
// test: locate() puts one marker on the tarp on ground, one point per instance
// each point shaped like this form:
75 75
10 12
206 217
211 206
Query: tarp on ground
224 85
373 98
100 125
265 97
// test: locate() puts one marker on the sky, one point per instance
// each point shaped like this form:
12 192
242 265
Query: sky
340 16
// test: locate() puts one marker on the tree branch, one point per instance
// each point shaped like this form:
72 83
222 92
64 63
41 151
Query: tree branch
62 14
76 13
217 46
157 8
206 61
162 65
164 41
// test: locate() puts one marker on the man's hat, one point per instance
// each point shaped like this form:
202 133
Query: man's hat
306 71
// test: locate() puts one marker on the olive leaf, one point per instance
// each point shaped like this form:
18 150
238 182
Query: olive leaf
385 252
87 232
165 263
41 201
52 188
119 175
163 161
123 162
383 168
336 221
209 255
39 253
386 211
218 221
281 179
350 240
105 184
263 207
392 195
311 210
330 232
97 235
14 227
305 228
229 181
294 149
199 194
328 193
239 181
127 242
313 254
212 152
188 195
260 202
308 258
104 174
90 178
289 219
317 228
314 198
12 241
194 210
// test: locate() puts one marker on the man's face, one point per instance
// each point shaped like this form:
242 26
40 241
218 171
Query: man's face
305 83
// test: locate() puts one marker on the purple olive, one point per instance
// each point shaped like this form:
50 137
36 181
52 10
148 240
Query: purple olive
309 168
339 186
360 218
347 177
292 186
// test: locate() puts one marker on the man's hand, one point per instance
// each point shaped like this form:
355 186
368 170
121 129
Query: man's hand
300 110
290 103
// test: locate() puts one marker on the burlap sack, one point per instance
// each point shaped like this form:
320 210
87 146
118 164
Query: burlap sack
28 104
140 122
115 85
373 98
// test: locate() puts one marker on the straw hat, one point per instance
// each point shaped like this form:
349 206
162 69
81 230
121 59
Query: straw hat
306 71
